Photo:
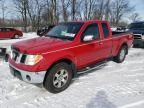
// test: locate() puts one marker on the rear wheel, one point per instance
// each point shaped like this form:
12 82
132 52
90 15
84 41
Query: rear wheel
16 37
121 55
58 78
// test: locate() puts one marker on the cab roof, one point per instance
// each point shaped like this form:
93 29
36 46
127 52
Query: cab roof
88 21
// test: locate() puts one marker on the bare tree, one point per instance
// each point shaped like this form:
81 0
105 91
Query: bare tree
3 9
21 6
47 14
135 17
119 9
88 9
100 9
65 4
54 11
107 9
73 8
44 12
79 10
34 10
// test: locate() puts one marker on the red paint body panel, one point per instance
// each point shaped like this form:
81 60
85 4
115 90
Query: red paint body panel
9 33
80 53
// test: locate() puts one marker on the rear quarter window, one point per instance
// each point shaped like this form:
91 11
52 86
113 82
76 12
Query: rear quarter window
105 30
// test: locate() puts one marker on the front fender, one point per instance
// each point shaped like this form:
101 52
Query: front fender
51 58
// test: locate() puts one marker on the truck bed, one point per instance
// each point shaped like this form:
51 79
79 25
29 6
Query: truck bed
119 33
120 38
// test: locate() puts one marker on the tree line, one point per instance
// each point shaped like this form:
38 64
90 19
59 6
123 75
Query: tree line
36 13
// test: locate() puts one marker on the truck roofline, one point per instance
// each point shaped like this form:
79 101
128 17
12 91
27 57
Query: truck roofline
88 21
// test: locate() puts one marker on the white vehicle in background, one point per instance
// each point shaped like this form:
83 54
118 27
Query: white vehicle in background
113 28
119 29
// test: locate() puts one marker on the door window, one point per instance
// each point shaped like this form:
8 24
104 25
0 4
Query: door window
92 30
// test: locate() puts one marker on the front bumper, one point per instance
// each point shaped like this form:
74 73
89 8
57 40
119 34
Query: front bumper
29 77
138 42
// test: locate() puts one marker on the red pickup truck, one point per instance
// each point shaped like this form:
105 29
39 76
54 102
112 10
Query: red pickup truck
69 47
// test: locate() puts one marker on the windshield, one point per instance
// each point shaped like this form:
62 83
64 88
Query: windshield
65 30
136 26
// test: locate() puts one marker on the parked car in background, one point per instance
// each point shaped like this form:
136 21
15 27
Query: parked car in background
10 33
121 28
65 50
45 30
137 28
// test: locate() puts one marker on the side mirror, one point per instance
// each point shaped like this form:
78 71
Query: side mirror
88 38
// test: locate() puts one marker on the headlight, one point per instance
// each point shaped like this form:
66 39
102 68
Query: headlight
33 59
143 37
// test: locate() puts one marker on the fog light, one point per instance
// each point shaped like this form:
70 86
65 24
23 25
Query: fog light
28 77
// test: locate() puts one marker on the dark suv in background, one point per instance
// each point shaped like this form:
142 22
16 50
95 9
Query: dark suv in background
137 28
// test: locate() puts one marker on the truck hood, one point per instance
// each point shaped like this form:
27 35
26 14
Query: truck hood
40 45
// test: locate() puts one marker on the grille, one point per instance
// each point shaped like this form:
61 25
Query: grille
137 36
23 59
18 57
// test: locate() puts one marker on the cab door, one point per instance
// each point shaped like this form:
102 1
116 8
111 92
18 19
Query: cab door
106 43
89 52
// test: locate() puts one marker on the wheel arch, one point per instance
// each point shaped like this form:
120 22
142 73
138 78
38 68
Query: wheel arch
125 44
116 58
65 60
13 35
120 46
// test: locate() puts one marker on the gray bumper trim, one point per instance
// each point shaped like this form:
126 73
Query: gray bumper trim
36 77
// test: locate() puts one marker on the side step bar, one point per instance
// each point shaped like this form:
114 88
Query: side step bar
92 67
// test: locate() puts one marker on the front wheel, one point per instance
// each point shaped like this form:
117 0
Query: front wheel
16 37
121 55
58 78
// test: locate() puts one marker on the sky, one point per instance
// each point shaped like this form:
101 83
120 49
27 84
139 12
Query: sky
139 5
139 8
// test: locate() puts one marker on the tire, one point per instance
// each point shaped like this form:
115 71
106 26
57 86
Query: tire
58 78
121 55
16 37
